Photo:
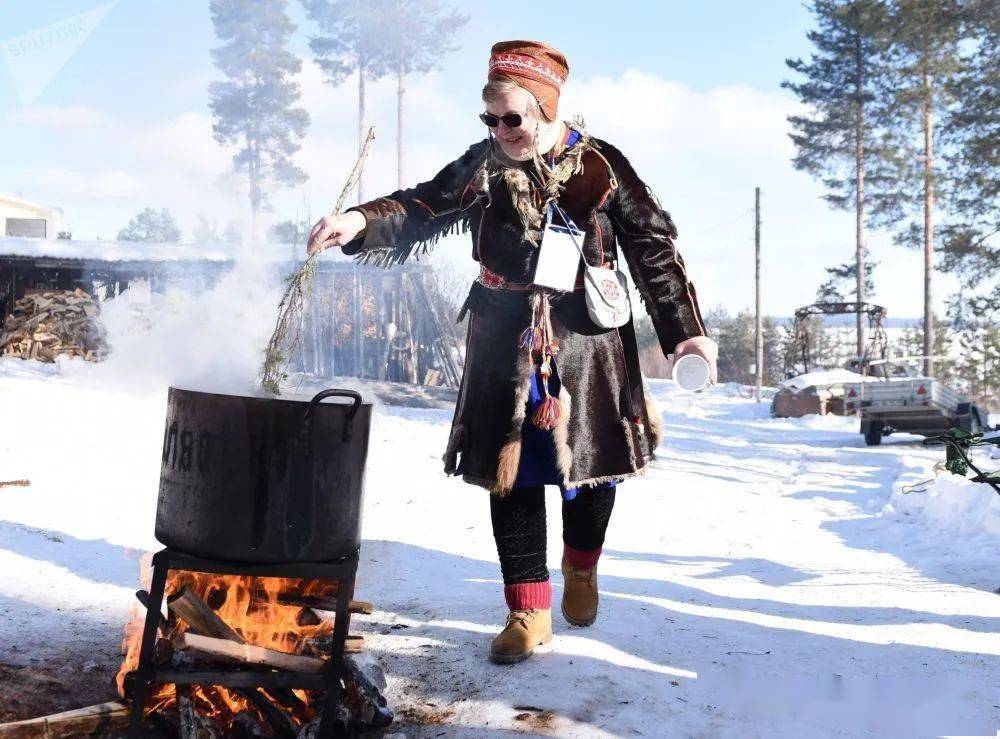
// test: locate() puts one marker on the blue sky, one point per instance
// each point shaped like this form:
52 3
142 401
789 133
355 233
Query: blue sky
155 43
690 91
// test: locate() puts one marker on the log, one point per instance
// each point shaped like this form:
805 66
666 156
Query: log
246 726
308 617
354 644
201 619
280 723
163 652
15 483
321 603
211 648
188 728
143 597
99 720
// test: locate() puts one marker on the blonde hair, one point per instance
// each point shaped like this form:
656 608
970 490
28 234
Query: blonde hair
503 85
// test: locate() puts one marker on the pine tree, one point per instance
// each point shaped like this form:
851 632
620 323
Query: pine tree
290 232
846 140
351 42
415 41
922 63
970 246
736 337
379 37
911 344
206 231
151 226
253 108
842 283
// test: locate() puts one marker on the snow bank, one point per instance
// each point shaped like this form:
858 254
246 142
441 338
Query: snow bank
824 377
134 251
946 502
110 251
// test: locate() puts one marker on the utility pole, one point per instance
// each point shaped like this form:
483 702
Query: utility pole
759 366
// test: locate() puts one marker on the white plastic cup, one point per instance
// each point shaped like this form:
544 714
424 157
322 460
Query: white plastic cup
691 372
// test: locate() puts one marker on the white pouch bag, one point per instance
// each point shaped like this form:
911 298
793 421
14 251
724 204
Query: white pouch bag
606 289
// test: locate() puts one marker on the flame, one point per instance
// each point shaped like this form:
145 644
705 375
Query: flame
250 606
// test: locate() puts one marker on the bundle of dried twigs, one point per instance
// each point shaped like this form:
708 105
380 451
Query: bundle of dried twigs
284 340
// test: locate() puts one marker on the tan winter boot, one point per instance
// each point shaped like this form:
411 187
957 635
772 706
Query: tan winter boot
525 630
579 601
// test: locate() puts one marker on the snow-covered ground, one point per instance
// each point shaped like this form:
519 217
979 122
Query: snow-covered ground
767 577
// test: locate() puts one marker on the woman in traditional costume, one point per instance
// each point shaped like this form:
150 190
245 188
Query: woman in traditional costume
547 397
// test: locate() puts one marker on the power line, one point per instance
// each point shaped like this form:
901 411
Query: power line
727 222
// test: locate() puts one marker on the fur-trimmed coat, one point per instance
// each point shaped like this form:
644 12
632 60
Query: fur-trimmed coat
609 427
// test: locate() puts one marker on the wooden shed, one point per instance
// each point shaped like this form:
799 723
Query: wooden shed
361 321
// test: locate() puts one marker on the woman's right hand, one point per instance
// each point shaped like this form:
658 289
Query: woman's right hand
335 230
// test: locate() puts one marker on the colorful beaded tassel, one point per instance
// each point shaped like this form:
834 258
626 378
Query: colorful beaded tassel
538 339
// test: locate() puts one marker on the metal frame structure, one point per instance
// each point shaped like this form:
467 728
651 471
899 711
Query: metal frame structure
876 346
342 571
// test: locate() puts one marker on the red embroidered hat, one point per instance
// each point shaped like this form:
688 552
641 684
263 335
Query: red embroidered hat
534 65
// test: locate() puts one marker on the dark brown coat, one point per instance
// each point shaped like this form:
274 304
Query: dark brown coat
609 428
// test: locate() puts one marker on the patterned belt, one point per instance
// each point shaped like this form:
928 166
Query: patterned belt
496 281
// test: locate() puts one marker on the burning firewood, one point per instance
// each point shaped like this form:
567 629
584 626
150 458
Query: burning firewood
213 648
100 719
246 726
277 719
232 624
201 619
354 644
189 726
44 325
320 603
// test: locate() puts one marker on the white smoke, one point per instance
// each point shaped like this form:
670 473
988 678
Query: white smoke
191 335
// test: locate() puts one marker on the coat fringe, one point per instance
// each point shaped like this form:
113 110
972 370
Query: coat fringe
388 256
654 428
510 453
560 436
626 426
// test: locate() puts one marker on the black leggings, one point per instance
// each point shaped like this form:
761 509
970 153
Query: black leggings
519 528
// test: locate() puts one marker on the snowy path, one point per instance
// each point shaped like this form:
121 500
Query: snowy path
751 585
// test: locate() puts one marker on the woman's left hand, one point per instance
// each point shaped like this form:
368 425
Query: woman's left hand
705 348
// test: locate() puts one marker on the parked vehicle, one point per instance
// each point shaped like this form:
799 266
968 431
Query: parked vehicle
902 401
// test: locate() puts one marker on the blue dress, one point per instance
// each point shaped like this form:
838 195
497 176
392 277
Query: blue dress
538 450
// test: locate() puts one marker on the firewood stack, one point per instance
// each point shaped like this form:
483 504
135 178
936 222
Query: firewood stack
48 323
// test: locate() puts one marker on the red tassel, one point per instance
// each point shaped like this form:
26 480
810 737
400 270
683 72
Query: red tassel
548 413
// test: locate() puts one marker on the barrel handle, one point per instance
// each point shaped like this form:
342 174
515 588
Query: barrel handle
333 392
301 504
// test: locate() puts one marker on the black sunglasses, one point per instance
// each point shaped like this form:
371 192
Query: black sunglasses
511 120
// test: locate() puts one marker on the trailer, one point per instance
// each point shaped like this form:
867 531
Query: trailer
911 404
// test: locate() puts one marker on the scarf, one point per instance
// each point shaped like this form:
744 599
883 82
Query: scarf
533 184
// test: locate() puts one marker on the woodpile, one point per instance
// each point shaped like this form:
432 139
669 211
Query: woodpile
46 324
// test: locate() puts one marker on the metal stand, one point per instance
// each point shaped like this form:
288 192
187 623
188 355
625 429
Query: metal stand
329 681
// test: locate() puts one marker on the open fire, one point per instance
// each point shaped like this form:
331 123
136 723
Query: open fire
245 623
258 611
